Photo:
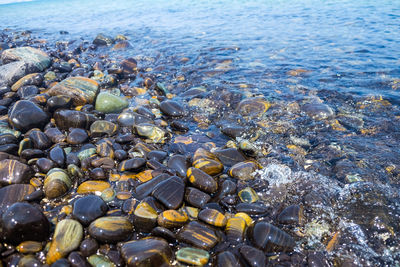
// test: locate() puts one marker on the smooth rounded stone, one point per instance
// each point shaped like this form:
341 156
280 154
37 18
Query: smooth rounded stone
27 91
22 222
77 260
269 238
29 261
29 247
9 148
44 164
14 172
132 164
172 108
229 156
292 215
172 219
97 174
82 90
8 138
150 131
86 153
179 164
94 187
145 217
228 259
164 233
100 261
318 111
235 230
147 252
30 79
120 154
55 135
12 72
105 149
77 136
209 166
14 193
26 115
111 229
109 103
145 189
56 183
100 128
248 195
318 259
254 257
227 187
129 66
61 263
121 45
57 154
28 154
253 107
198 235
213 217
157 155
88 247
193 256
202 180
39 59
170 192
67 237
39 140
66 119
251 208
59 102
195 197
130 118
243 171
102 39
89 208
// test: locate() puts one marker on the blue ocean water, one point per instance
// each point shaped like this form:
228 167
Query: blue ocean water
348 46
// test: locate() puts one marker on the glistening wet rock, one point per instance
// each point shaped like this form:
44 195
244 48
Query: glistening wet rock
89 208
14 172
26 115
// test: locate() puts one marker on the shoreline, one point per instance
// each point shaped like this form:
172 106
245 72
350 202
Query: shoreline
238 140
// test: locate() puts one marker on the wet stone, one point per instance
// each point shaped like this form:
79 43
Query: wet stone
172 219
229 156
228 259
170 192
192 256
146 252
291 215
55 135
248 195
77 260
39 140
213 217
82 90
66 119
100 128
145 217
57 155
251 208
111 229
28 261
132 164
146 188
14 172
102 39
44 164
202 180
93 187
243 170
26 115
164 233
269 238
172 108
150 131
109 103
198 235
100 260
157 155
8 138
23 222
30 79
14 193
27 91
39 59
253 107
29 247
254 257
88 247
59 102
235 229
77 136
318 111
195 197
67 237
89 208
179 164
56 183
129 66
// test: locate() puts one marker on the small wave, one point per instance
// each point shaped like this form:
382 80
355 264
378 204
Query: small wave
4 2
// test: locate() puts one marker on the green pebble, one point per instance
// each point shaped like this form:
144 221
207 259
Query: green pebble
49 76
86 153
194 256
100 261
248 195
109 103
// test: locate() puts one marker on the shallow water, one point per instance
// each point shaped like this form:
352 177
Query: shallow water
340 53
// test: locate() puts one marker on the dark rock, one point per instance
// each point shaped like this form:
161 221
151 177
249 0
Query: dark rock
202 180
195 197
88 247
270 238
179 164
198 235
172 108
132 164
14 193
111 229
77 136
59 102
254 257
39 140
66 119
89 208
26 115
14 172
170 192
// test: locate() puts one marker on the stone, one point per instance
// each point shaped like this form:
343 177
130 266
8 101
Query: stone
109 103
170 192
101 127
253 107
195 197
59 102
29 247
39 140
66 119
318 111
198 235
88 247
147 252
172 108
82 90
67 237
143 190
193 256
100 260
270 238
145 217
202 180
235 229
254 257
213 217
25 115
228 259
56 183
111 229
14 172
229 156
35 57
102 39
248 195
179 164
30 79
77 136
23 222
14 193
243 170
172 219
92 187
88 209
12 72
